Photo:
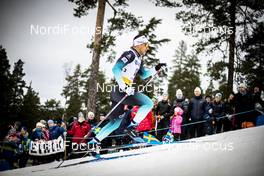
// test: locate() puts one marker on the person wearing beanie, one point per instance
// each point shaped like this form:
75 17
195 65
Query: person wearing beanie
163 115
218 113
55 131
181 102
91 119
243 103
37 132
176 123
197 109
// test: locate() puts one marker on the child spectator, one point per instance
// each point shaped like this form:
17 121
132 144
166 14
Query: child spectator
176 122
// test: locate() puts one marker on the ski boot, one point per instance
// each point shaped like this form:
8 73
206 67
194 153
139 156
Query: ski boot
131 132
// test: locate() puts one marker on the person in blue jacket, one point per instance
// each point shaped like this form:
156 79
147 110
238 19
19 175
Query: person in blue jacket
125 70
55 131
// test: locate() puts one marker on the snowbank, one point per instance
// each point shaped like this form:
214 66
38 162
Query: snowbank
232 153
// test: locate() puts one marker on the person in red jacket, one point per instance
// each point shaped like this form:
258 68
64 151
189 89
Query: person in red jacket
79 130
146 124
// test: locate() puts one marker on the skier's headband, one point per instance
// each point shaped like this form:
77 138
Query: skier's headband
140 40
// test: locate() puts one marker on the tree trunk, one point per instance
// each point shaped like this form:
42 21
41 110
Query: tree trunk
92 92
232 45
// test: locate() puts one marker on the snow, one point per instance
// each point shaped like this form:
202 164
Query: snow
232 153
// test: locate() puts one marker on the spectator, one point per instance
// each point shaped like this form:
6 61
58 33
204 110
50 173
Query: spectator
90 119
54 130
146 124
15 128
24 147
155 104
80 130
9 150
196 111
45 130
176 123
256 96
44 122
163 115
208 99
37 132
218 113
183 104
258 102
244 104
208 125
229 107
71 122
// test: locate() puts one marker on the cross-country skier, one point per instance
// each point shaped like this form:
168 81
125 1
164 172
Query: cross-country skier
125 70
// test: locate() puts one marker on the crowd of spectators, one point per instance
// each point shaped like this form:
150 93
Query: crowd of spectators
186 118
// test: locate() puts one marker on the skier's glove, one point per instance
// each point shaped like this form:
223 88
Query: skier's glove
130 90
158 67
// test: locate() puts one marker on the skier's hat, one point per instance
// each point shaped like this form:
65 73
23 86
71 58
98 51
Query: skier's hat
140 39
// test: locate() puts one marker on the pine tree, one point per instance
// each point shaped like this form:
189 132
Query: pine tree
52 109
210 89
72 92
5 87
18 86
185 74
30 110
252 66
221 25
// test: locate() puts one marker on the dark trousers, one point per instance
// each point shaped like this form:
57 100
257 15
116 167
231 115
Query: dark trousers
196 130
218 125
177 136
208 127
162 128
227 124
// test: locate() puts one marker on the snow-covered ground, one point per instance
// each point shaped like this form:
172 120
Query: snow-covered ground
232 153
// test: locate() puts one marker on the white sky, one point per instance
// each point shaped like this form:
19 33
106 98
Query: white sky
46 55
